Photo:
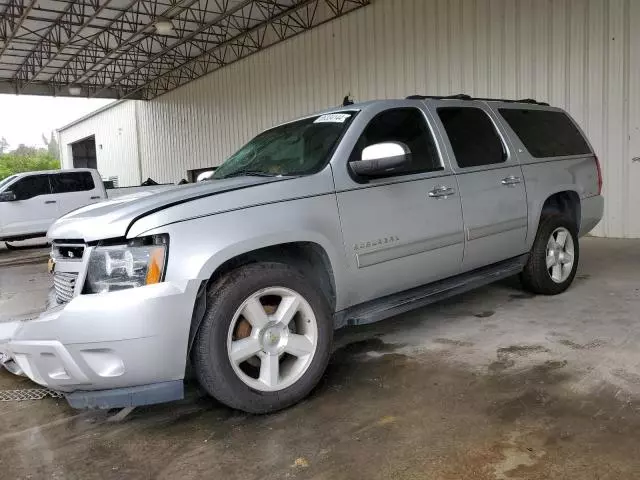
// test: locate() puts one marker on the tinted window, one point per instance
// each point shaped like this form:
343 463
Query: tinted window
545 133
30 187
6 181
473 137
72 182
405 125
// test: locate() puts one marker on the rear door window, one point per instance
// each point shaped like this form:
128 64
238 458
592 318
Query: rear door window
30 187
72 182
473 136
546 133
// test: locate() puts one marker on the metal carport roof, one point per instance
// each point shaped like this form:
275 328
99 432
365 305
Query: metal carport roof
141 49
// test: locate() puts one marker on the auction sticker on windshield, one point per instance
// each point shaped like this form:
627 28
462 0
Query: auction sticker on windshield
333 118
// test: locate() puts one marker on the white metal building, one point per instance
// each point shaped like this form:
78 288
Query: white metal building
106 139
582 55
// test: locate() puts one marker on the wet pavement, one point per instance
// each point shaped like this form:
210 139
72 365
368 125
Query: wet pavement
495 384
23 290
20 253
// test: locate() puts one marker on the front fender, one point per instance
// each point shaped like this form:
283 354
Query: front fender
199 246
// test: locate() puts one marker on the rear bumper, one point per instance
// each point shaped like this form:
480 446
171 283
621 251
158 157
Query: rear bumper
123 345
591 209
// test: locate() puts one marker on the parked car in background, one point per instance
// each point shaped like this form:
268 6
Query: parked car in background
30 202
204 176
344 217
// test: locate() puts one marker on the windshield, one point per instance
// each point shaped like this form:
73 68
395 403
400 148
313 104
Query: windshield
297 148
6 181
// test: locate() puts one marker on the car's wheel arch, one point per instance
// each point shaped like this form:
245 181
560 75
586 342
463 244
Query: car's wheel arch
565 201
310 253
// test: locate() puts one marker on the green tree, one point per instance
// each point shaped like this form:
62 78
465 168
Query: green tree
24 151
26 159
4 145
52 145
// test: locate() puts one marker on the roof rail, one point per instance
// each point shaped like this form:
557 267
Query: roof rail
462 96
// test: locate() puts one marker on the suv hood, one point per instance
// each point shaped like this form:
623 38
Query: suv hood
112 218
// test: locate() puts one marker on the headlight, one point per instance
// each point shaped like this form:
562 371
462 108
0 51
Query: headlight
119 267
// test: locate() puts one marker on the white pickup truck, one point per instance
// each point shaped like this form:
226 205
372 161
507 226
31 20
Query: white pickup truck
31 201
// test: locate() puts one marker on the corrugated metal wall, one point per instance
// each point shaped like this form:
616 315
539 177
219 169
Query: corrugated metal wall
578 54
116 142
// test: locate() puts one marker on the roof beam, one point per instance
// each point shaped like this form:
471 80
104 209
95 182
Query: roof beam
9 27
111 49
57 38
47 89
305 15
139 17
225 13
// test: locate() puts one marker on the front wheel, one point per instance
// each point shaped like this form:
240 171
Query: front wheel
553 261
266 338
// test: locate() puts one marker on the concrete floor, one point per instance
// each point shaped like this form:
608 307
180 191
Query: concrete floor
496 384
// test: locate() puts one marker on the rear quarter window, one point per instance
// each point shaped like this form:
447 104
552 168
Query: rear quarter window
546 133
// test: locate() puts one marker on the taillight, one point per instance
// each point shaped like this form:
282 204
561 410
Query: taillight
599 176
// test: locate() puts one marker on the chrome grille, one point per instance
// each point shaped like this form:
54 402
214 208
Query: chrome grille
65 284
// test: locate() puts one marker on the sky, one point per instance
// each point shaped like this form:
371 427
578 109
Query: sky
24 118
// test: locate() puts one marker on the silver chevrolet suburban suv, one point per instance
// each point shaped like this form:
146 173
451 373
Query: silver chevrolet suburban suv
344 217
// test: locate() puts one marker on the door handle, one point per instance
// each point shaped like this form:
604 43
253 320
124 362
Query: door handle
511 181
95 198
441 191
49 202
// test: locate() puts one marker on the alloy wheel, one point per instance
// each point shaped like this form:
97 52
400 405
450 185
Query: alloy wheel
272 339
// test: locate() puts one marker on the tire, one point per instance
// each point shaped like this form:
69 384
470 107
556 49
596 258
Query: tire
229 299
536 276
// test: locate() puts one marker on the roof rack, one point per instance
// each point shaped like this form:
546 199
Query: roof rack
462 96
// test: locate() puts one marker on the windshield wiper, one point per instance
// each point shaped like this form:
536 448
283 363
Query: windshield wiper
250 173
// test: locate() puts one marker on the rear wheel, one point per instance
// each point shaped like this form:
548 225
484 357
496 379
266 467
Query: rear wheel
554 257
266 338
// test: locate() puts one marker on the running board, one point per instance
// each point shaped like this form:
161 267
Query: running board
392 305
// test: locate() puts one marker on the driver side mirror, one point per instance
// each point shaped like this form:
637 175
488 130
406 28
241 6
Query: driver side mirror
8 196
382 159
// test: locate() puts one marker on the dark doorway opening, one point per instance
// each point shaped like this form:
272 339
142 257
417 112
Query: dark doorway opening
83 153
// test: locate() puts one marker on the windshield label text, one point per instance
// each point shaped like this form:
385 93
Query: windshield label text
333 118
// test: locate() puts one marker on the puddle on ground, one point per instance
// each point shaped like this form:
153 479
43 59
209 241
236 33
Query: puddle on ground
389 416
576 346
485 314
521 296
521 350
455 343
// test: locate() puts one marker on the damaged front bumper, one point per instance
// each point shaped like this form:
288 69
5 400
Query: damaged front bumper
114 350
7 330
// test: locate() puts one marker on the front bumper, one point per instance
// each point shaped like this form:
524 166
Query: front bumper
122 341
